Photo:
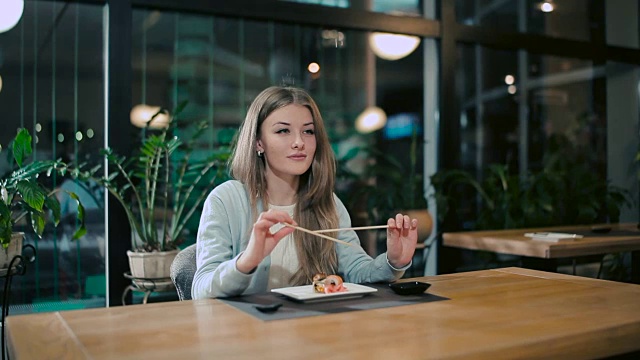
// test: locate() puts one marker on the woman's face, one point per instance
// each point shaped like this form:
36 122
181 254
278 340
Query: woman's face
288 140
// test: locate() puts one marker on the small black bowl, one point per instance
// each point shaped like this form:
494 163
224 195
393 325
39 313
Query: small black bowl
409 288
601 229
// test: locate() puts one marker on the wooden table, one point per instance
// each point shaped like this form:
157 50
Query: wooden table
513 242
500 313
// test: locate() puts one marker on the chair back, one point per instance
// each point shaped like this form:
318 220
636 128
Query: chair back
183 268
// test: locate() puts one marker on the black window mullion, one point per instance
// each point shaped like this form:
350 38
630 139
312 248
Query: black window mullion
119 105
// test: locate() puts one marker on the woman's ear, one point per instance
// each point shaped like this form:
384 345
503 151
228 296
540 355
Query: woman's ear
259 146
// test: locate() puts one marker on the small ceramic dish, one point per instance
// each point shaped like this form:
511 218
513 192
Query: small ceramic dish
601 229
409 288
268 308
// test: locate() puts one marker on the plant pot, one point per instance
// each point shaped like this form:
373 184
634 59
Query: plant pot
14 249
151 265
425 222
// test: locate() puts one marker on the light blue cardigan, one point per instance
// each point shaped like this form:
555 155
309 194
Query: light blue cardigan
224 233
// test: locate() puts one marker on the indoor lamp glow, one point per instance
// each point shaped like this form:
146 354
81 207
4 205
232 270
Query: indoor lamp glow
371 119
547 7
392 46
10 13
141 114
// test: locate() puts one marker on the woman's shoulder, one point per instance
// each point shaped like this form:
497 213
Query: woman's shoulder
340 208
230 188
338 201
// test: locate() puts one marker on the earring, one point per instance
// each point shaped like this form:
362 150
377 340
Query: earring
260 152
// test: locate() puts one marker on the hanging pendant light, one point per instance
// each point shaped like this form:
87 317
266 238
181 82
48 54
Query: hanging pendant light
371 119
392 46
10 13
142 114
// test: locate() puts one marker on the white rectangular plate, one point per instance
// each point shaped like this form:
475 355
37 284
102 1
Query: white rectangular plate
553 236
306 293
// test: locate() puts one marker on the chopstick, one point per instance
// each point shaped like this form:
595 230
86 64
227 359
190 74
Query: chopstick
316 234
354 228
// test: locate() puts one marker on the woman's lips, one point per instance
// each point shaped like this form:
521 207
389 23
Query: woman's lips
298 157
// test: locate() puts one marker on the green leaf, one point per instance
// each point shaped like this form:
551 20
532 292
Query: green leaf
5 212
6 224
81 230
22 146
53 204
32 194
38 222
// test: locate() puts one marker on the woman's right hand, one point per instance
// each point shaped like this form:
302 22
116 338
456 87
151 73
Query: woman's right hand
262 241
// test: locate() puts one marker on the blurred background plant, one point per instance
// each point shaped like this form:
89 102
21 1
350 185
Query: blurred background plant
564 191
387 185
25 200
164 183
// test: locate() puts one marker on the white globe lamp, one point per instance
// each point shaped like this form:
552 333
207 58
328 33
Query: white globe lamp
141 114
10 13
371 119
392 46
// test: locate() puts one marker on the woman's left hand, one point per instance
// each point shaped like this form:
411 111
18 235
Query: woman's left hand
402 237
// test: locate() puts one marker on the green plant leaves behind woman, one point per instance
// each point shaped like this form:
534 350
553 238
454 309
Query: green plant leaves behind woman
25 197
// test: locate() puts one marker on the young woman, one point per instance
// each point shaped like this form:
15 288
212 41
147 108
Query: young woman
285 173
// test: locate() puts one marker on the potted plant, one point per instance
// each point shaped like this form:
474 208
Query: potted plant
25 200
160 187
564 191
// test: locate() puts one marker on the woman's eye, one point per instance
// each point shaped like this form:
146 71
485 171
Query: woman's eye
310 131
282 131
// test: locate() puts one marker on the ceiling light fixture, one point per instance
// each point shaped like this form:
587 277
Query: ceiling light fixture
547 6
141 115
10 13
371 119
392 46
313 68
509 79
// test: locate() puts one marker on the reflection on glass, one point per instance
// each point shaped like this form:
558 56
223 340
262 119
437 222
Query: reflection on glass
53 80
558 18
519 110
218 65
547 152
623 117
393 7
621 18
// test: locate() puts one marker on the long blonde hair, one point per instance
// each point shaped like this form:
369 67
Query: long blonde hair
315 207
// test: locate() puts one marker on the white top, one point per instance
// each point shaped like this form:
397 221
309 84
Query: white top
284 259
224 232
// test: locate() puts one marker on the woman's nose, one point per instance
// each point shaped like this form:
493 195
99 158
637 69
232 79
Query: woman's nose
298 143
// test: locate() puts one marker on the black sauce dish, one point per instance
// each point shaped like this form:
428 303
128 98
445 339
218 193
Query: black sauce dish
409 288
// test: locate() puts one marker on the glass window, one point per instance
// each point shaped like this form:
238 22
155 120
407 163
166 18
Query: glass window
622 23
532 113
220 64
51 65
394 7
623 117
559 18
